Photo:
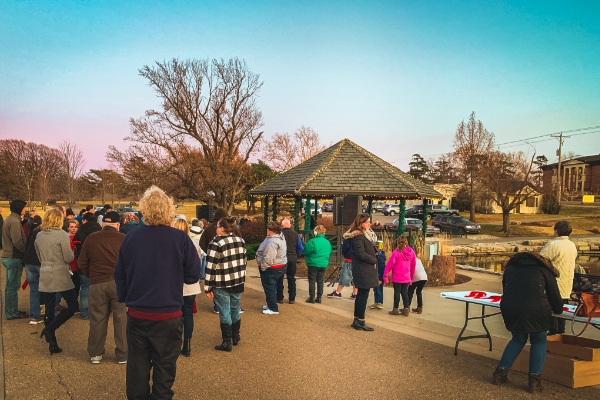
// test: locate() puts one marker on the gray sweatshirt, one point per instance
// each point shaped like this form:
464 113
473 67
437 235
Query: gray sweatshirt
272 251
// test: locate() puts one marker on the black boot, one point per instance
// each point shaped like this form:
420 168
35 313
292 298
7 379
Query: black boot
235 332
361 326
52 324
535 384
186 347
500 376
226 335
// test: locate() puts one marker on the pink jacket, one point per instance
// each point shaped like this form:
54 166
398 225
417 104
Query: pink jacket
402 264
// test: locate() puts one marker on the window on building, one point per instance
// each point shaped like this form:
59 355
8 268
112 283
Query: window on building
530 202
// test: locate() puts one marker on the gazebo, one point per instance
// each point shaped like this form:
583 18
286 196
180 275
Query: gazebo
344 169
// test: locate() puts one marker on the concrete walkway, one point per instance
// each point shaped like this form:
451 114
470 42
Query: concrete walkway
308 351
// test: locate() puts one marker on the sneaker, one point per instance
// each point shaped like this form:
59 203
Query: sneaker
265 307
269 312
122 362
374 305
18 316
241 310
380 306
353 296
35 321
215 310
334 295
96 360
291 301
310 300
280 301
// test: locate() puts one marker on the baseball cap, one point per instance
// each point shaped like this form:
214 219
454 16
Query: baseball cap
112 217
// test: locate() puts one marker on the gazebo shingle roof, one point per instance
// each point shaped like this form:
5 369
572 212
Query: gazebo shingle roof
346 169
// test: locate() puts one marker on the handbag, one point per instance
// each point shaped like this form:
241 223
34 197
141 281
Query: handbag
588 306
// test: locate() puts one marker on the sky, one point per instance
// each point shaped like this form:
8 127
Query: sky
396 77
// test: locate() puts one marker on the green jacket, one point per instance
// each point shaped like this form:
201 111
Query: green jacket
317 252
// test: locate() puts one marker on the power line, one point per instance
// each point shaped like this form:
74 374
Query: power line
556 133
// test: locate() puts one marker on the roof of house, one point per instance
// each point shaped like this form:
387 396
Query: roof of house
346 169
595 159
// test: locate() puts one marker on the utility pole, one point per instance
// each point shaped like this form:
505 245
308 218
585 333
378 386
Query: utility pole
560 138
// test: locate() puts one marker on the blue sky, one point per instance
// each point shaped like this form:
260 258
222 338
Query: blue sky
394 76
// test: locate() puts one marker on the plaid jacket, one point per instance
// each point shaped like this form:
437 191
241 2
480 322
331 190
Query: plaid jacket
225 262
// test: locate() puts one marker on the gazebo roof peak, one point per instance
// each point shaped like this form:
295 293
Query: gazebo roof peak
345 168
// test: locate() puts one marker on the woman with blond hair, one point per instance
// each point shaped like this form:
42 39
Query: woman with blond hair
189 297
155 260
317 252
53 248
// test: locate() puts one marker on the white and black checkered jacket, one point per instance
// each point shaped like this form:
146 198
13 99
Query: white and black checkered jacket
225 262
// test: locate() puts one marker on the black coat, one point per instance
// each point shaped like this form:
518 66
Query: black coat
84 231
530 293
364 262
31 256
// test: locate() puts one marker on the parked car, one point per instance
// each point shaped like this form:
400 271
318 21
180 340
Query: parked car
456 225
327 206
375 206
312 207
411 224
433 210
391 209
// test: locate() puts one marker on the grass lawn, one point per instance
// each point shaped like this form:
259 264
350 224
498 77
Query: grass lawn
187 209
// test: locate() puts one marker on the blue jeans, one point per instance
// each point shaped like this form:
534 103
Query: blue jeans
537 355
203 267
269 279
33 278
83 296
14 270
378 294
187 311
228 305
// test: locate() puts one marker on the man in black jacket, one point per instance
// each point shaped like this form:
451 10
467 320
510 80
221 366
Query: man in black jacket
13 251
292 241
89 226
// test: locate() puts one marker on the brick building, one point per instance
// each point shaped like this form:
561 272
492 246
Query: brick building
579 176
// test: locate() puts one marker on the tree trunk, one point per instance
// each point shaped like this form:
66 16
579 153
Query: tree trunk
506 221
443 269
472 197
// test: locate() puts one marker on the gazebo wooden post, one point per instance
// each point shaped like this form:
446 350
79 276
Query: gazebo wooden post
274 208
425 212
266 210
401 216
297 206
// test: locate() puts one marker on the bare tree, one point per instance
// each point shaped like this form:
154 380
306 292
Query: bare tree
73 163
208 105
285 151
472 146
49 171
506 179
309 142
281 152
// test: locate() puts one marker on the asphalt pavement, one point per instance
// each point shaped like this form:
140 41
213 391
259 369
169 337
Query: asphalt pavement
308 351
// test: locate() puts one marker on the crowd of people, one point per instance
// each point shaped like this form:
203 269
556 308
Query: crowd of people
146 274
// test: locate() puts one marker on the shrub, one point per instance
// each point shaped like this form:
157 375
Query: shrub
254 231
327 222
251 250
550 204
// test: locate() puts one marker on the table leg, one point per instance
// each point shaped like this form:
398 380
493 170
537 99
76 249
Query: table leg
483 316
458 339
